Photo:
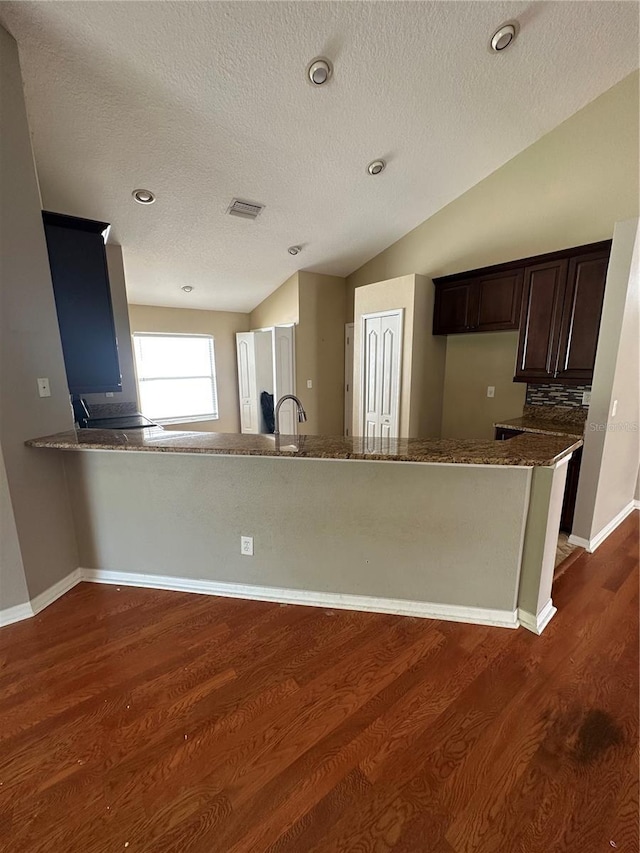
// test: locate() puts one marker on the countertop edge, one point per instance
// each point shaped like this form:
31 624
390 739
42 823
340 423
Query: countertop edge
57 443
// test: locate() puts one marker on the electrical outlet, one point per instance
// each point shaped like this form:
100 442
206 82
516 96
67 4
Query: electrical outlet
614 408
109 394
586 398
309 383
43 387
246 546
491 391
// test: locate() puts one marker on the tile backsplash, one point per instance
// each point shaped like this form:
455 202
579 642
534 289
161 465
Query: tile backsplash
556 395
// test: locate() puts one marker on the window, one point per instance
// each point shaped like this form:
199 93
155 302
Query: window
176 377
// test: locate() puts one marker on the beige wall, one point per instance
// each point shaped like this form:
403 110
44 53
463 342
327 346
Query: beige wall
29 348
320 352
449 534
13 583
280 308
567 189
317 305
473 363
609 469
223 325
422 355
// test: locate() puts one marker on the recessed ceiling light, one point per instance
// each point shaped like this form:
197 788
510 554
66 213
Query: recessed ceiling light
294 250
187 288
503 37
376 166
319 71
143 196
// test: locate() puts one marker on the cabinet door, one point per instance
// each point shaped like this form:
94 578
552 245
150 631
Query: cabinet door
452 308
580 324
498 300
542 295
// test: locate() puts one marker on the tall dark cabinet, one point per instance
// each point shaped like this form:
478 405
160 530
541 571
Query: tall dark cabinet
560 317
82 293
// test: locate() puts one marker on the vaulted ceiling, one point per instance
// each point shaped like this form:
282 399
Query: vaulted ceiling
202 102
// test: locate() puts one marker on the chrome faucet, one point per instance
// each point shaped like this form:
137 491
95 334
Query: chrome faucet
302 415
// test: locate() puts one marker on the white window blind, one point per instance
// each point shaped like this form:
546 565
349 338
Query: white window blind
176 377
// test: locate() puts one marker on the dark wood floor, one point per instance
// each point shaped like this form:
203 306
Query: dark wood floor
159 721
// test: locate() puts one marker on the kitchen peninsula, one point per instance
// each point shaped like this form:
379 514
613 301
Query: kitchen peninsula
451 529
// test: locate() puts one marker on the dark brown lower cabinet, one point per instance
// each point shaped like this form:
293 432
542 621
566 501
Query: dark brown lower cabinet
571 488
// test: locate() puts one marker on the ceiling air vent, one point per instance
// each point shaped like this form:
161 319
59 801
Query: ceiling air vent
245 209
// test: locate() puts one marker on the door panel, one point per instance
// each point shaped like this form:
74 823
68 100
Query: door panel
584 295
539 331
284 377
245 347
382 337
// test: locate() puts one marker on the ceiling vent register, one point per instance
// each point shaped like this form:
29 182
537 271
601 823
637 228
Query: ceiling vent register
245 209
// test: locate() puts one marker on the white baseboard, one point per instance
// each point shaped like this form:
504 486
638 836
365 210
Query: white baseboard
537 622
33 607
590 545
331 600
15 614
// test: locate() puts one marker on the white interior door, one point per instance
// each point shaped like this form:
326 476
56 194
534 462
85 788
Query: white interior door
348 378
284 366
249 412
381 360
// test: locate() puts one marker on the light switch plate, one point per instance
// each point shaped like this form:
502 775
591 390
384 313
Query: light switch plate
491 391
614 409
43 387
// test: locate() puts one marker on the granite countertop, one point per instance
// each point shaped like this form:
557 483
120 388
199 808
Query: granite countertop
524 450
549 420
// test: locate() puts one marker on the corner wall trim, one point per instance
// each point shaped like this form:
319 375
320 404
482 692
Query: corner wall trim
15 614
537 622
33 607
332 600
590 545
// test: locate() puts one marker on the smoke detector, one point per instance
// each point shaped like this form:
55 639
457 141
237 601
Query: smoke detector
319 71
187 288
503 37
294 250
245 209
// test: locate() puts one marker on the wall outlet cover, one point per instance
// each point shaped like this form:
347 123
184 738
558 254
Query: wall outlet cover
246 546
309 383
614 409
43 387
586 398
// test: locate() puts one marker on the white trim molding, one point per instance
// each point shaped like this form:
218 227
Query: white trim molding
33 607
16 614
590 545
538 622
331 600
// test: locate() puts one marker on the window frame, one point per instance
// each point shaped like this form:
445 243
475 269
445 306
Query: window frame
185 419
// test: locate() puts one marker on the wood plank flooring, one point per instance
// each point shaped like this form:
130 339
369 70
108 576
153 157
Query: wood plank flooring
158 721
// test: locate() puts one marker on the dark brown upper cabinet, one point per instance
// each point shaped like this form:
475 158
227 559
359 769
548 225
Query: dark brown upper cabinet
452 310
581 311
560 319
487 303
555 301
544 286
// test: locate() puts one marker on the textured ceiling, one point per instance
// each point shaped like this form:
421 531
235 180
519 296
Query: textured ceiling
201 102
